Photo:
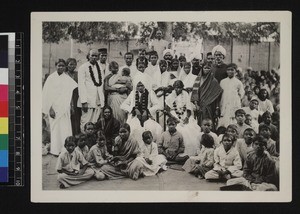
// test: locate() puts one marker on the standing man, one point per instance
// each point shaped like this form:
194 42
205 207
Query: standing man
90 87
219 69
159 44
104 66
128 57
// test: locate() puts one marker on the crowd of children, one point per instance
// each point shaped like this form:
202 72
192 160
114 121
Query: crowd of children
233 137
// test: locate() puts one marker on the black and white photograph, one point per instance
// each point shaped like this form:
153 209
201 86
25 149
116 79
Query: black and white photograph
161 107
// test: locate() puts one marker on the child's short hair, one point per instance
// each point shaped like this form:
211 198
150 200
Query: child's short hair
69 140
228 136
232 126
207 141
264 116
100 135
146 135
187 63
209 54
178 83
153 53
247 115
79 137
260 93
261 139
263 127
240 111
88 124
221 130
206 120
162 62
113 64
171 120
125 126
232 65
126 71
249 130
142 50
254 100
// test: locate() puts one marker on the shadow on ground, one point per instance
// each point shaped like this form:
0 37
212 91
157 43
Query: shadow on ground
167 180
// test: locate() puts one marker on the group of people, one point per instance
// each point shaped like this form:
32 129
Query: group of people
109 121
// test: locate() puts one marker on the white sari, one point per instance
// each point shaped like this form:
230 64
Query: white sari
57 93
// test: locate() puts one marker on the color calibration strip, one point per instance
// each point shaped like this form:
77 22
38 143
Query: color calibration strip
4 114
11 110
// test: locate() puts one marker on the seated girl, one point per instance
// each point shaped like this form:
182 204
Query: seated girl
203 162
150 159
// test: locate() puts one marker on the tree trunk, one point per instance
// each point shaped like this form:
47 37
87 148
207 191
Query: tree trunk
169 31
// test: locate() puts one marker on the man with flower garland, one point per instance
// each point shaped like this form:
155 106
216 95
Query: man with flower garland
90 87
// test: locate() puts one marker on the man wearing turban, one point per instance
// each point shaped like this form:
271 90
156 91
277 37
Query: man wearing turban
219 68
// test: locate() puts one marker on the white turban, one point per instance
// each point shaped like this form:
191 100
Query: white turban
220 49
168 51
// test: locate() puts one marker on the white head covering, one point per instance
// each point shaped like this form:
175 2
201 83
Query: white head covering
168 51
220 49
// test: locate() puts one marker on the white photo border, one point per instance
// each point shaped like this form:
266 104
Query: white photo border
285 193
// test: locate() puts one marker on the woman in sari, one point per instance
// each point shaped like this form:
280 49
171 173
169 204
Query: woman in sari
57 96
206 95
116 93
109 126
187 77
124 163
75 111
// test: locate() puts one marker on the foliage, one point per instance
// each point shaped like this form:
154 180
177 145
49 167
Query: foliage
53 32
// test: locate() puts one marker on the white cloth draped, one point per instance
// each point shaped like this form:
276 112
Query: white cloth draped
57 93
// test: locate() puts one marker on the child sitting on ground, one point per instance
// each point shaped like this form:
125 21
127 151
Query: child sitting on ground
171 144
98 156
266 120
240 122
265 131
151 160
81 145
247 98
203 162
206 128
227 161
259 169
231 130
244 145
45 139
91 137
68 165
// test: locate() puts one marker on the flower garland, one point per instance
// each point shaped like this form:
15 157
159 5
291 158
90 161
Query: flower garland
179 112
144 100
93 77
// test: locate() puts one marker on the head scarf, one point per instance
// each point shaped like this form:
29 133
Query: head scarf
168 51
220 49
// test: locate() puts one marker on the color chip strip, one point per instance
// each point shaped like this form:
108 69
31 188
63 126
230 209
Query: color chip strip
4 114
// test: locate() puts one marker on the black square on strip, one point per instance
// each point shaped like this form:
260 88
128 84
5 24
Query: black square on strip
3 51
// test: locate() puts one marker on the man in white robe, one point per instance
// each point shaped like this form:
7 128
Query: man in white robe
153 70
57 95
159 44
90 88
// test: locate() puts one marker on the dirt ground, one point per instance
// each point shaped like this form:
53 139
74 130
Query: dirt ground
166 180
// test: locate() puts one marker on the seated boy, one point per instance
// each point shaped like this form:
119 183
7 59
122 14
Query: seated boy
259 169
240 119
244 145
227 161
206 128
265 131
81 145
171 144
250 123
68 165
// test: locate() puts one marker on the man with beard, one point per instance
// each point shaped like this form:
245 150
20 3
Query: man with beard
219 69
